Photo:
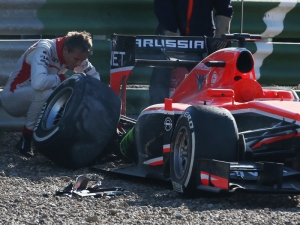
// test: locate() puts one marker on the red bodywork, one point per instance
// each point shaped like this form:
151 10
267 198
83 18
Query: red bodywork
231 85
233 89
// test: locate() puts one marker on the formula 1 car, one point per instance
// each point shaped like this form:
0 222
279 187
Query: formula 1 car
219 131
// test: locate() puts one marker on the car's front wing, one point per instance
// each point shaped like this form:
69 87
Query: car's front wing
268 177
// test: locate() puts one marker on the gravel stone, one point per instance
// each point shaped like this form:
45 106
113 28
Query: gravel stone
28 188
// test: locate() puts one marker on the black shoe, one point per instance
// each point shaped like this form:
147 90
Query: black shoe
24 145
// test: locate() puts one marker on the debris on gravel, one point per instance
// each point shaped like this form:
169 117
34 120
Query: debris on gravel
28 187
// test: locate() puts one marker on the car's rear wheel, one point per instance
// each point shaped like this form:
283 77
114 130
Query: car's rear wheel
77 121
205 132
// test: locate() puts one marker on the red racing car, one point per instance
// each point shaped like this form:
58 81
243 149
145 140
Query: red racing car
219 131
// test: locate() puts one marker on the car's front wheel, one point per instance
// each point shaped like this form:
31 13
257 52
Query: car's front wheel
205 132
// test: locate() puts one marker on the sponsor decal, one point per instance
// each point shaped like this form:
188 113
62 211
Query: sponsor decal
239 174
242 166
44 61
55 60
242 174
87 69
39 118
168 124
213 78
44 64
171 43
117 59
200 81
188 116
43 57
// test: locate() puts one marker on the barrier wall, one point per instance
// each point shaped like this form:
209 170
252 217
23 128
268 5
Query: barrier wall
276 62
104 17
272 19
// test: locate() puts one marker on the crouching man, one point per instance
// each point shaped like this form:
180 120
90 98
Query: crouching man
38 72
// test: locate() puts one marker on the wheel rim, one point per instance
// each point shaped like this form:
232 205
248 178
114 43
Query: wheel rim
181 154
56 108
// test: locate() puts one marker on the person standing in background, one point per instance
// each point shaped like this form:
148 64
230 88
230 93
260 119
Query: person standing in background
209 18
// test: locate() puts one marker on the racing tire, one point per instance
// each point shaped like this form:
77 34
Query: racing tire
77 121
205 132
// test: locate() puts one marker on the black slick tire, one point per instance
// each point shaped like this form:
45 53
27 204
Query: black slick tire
206 132
77 121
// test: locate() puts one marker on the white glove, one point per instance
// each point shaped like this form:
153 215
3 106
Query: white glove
222 26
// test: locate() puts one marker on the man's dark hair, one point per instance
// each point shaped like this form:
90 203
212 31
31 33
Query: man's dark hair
78 40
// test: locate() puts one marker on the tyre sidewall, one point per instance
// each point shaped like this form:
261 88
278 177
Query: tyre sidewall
45 137
188 180
89 123
213 134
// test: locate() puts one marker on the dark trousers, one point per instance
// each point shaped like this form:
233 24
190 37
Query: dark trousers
159 85
160 79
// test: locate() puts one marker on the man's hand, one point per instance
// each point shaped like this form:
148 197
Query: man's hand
78 69
222 26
